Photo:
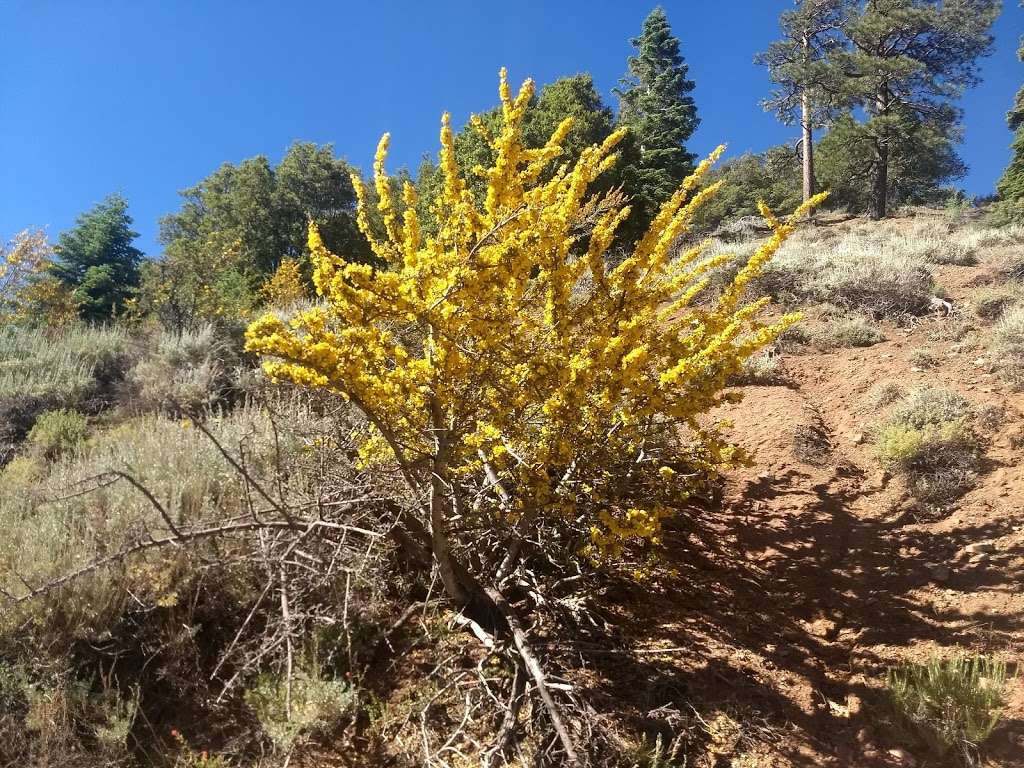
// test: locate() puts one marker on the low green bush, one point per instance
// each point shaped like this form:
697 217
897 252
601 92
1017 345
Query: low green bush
928 438
56 432
290 713
948 704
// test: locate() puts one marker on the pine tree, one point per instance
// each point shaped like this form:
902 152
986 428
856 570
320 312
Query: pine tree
797 64
96 259
1011 185
905 63
656 106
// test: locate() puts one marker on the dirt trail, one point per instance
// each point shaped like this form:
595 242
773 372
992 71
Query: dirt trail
818 570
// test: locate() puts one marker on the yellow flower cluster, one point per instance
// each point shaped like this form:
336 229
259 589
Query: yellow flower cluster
284 288
504 347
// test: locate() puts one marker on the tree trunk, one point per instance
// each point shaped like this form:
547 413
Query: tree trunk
440 506
808 134
880 181
880 178
808 145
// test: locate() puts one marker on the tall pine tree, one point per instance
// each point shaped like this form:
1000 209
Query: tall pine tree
655 104
96 259
797 65
904 64
1011 185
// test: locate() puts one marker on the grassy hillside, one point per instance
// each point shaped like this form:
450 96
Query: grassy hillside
187 580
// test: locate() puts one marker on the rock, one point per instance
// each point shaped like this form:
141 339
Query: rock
822 627
979 362
979 547
903 757
857 438
853 704
979 558
940 572
915 369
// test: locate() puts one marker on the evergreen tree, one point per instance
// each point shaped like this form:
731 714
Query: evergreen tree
655 104
905 63
922 159
1011 184
97 261
573 96
798 65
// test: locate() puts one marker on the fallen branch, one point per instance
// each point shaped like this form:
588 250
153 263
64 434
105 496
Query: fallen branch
537 673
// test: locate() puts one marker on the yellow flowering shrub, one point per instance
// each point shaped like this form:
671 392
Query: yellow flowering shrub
27 293
513 378
285 287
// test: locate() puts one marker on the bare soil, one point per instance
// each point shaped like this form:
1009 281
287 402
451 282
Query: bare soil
816 571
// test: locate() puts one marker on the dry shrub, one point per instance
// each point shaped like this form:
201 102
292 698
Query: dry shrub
928 438
871 273
1007 347
991 302
55 524
70 368
183 372
763 369
922 357
885 393
848 331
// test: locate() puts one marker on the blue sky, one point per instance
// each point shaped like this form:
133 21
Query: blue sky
147 97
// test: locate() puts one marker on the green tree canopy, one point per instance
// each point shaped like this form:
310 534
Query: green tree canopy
922 160
573 96
772 176
655 104
97 261
904 64
1011 184
261 212
236 225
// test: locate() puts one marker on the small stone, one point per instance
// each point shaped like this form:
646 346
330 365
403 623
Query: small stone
853 704
903 757
915 369
857 438
979 362
978 559
822 628
979 547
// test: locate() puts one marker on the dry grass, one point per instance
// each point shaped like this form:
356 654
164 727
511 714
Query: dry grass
1007 347
868 273
990 302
